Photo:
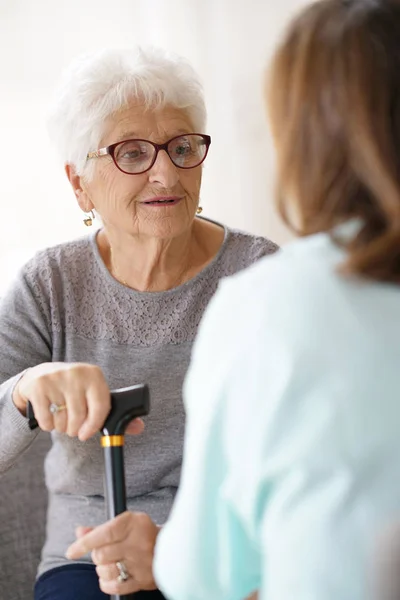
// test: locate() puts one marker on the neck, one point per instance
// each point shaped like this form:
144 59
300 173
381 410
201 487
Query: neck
150 264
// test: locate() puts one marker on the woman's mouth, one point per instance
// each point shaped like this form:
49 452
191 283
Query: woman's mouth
163 201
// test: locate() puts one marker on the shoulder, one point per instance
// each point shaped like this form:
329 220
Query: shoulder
39 282
253 246
298 266
58 260
284 293
242 249
61 254
53 272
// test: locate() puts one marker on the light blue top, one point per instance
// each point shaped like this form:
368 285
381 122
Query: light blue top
292 448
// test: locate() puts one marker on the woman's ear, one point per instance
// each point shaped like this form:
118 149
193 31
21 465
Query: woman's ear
76 182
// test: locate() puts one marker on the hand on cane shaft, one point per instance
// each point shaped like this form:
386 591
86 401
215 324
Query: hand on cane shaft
129 538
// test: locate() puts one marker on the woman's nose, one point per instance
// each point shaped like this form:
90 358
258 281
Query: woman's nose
164 171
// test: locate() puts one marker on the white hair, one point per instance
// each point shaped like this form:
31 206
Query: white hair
97 85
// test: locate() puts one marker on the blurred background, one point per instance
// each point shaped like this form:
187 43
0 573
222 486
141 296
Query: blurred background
227 41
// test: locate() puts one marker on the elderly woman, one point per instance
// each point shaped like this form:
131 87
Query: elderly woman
119 307
291 469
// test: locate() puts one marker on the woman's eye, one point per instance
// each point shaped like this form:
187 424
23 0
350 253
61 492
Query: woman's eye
183 149
132 153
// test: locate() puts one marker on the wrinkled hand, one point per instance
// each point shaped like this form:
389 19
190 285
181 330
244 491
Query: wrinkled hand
129 538
80 389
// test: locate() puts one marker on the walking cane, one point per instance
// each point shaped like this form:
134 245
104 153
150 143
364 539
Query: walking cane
126 404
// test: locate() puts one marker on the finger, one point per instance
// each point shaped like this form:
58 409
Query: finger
98 399
108 533
77 412
107 572
60 418
110 553
41 406
115 588
135 427
81 531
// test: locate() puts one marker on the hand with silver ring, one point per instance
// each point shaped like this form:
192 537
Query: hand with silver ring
70 398
122 550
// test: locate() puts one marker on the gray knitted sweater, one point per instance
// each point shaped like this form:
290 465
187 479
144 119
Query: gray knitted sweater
65 306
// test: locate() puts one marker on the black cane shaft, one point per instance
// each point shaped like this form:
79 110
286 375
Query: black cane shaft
115 480
115 486
127 404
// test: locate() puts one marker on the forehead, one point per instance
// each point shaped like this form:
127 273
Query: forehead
137 121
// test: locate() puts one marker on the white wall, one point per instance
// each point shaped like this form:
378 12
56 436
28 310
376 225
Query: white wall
228 42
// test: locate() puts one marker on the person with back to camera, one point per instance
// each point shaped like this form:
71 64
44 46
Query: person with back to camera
291 464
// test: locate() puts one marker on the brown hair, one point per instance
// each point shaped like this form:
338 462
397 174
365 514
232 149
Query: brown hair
334 104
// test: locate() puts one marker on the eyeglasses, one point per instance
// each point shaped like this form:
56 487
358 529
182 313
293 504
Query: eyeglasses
134 157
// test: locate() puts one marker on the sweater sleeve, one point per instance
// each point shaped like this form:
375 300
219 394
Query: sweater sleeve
25 341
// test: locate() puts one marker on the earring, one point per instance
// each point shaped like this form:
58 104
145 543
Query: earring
199 210
89 220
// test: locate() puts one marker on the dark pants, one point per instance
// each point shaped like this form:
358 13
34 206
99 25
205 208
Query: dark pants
78 582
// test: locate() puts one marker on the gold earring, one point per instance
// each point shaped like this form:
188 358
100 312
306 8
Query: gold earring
199 210
89 220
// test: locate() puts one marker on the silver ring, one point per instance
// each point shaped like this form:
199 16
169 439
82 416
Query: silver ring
55 408
123 573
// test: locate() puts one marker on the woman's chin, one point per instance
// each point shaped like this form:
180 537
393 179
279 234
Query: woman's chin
164 223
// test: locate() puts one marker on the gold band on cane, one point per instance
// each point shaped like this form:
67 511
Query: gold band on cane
112 440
